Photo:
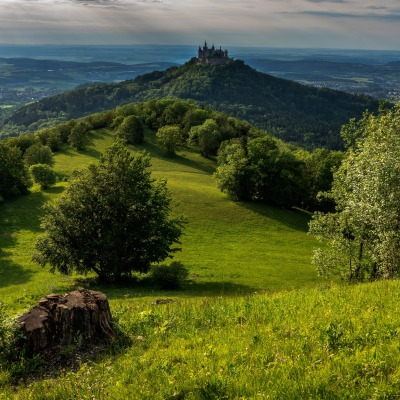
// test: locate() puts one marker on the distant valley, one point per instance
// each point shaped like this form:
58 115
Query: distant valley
23 80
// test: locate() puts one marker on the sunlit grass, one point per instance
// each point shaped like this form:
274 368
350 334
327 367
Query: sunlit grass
217 339
336 342
229 248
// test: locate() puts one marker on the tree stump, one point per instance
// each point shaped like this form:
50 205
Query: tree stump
79 316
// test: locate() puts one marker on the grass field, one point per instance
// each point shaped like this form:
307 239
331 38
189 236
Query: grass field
229 248
325 343
254 322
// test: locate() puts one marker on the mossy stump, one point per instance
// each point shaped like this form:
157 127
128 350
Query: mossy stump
79 316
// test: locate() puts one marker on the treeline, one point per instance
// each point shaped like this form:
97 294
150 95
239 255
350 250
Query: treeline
252 165
307 116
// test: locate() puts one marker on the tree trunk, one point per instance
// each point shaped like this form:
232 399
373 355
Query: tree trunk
77 317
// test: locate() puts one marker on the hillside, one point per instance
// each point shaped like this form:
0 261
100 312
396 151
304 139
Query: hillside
300 114
216 251
237 330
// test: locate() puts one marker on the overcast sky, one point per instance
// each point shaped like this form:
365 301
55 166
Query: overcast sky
362 24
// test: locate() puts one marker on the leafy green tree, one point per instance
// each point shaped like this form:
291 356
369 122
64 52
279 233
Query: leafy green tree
131 130
23 142
14 176
117 121
277 172
78 137
363 234
113 219
235 175
318 169
38 154
43 174
175 112
206 138
194 117
168 137
261 169
64 130
101 120
49 137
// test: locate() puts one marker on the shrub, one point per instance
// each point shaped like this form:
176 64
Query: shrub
171 277
43 175
38 154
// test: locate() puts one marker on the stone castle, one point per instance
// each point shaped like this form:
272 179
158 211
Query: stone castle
212 55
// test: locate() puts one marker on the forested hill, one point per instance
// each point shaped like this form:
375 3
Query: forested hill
305 115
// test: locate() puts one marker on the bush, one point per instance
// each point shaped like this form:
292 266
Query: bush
43 175
38 154
171 277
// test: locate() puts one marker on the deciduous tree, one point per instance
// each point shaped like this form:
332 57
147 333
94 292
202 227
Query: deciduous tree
38 154
168 137
363 234
14 176
131 130
113 219
43 174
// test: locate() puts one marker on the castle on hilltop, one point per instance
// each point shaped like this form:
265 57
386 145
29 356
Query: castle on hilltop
212 56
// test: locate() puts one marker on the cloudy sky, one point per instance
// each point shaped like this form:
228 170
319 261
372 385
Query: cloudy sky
363 24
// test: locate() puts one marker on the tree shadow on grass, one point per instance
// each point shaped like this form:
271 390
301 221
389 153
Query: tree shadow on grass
216 289
295 219
12 273
24 213
20 214
131 288
92 152
208 169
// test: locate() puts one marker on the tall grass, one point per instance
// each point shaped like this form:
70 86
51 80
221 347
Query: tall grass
324 343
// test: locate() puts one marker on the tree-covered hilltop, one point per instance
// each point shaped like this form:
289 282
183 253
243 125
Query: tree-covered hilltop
308 116
252 165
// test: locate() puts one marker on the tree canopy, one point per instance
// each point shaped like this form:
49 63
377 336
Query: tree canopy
14 176
363 234
113 219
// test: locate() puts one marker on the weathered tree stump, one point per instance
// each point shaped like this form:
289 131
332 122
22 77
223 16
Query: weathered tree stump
79 316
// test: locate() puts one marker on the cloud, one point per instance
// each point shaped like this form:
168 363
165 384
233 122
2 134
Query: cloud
327 1
321 23
334 14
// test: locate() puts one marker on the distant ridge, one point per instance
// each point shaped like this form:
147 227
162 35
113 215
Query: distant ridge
308 116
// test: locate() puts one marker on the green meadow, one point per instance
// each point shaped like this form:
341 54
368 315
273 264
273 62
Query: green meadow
230 248
254 321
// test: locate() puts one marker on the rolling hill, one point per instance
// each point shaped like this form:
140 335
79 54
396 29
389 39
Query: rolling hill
237 330
304 115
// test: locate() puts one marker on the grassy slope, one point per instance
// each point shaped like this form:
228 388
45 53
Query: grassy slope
229 247
322 343
326 342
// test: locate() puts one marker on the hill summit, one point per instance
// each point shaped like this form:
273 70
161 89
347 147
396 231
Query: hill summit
308 116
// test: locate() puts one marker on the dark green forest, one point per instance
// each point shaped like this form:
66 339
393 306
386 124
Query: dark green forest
307 116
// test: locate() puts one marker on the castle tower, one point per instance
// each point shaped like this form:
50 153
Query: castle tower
212 55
